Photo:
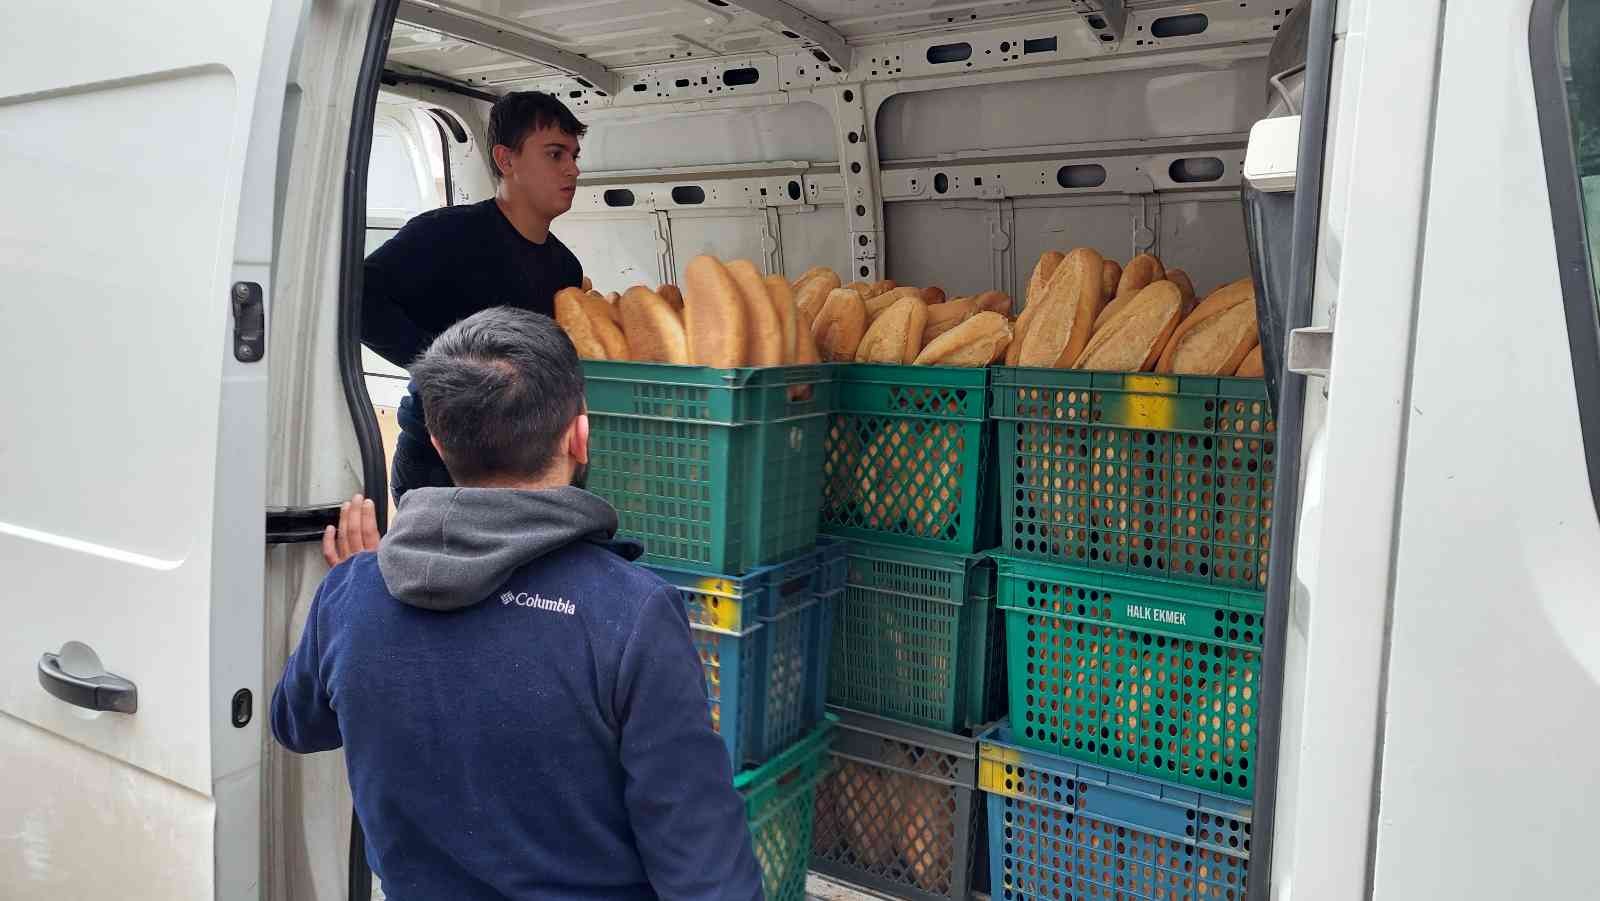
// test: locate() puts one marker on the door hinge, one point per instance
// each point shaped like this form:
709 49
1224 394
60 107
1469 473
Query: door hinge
291 525
249 323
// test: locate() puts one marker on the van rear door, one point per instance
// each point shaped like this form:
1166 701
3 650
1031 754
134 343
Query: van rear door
137 158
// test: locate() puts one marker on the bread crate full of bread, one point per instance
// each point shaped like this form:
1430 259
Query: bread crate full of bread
708 405
1134 428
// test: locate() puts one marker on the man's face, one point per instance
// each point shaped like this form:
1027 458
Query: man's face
544 172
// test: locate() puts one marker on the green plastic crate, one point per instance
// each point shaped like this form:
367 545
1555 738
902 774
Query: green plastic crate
711 469
779 797
908 452
1167 476
917 638
1149 677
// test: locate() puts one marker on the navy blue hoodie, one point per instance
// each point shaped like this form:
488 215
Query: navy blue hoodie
522 709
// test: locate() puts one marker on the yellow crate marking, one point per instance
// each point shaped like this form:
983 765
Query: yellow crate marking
992 763
724 611
1154 407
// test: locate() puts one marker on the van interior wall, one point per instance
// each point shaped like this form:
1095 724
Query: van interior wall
1173 138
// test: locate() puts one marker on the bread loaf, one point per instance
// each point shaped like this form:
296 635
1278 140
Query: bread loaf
1134 339
611 297
860 288
1072 300
932 296
653 329
995 302
896 336
1181 279
942 317
813 293
877 305
978 341
1111 309
713 315
840 325
1214 339
1019 331
1042 271
783 306
1140 271
673 296
603 316
764 334
809 274
587 285
881 287
1252 367
1110 277
806 350
574 320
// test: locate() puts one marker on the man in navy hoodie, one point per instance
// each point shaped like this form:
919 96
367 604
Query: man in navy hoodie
522 709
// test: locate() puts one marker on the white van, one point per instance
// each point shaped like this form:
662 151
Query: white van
187 191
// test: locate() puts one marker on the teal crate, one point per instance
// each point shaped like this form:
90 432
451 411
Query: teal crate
765 677
917 638
908 458
1064 829
1156 678
711 469
779 797
1155 475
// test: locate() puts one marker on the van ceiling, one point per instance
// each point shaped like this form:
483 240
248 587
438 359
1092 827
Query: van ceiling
623 33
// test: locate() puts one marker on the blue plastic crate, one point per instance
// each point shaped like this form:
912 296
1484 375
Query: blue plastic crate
766 677
833 565
736 604
1059 828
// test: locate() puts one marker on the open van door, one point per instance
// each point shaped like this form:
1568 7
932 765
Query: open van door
138 153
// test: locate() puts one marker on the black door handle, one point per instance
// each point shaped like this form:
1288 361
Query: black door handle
75 676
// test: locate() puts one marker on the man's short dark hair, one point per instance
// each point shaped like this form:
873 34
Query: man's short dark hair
498 390
520 113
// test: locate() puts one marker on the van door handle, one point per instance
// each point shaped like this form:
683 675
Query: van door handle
76 676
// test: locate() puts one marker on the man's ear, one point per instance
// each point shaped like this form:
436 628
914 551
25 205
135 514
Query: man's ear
578 438
503 157
437 447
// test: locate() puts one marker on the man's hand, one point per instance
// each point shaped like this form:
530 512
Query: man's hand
357 531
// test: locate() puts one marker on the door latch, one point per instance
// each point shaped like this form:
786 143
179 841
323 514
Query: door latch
1311 351
249 323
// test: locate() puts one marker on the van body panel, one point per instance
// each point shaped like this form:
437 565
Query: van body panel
132 520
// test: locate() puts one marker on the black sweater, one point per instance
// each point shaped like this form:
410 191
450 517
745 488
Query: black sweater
442 267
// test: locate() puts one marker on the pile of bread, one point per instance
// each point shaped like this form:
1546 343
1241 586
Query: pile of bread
1087 312
729 315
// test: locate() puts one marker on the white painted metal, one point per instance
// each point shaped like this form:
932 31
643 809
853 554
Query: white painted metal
1492 712
800 131
1374 218
133 512
797 23
497 33
1273 151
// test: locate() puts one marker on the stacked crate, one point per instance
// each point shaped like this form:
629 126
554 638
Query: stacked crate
1135 516
715 472
917 662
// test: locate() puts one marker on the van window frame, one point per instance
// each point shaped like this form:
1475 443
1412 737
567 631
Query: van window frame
1571 237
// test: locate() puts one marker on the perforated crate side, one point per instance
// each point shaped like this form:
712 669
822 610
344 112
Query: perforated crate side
712 470
909 458
896 813
791 696
733 667
1061 828
912 636
1161 679
1168 476
780 797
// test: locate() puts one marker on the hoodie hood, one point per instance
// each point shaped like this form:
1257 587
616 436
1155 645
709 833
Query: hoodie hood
450 547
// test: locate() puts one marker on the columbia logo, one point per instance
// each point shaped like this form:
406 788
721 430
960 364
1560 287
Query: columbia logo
523 599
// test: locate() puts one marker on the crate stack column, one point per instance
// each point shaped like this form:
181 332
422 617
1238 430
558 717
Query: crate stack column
715 472
917 663
1135 513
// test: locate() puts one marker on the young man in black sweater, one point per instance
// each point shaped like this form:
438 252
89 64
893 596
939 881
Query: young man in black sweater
450 263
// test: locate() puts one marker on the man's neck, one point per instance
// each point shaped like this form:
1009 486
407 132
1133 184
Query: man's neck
523 218
523 484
